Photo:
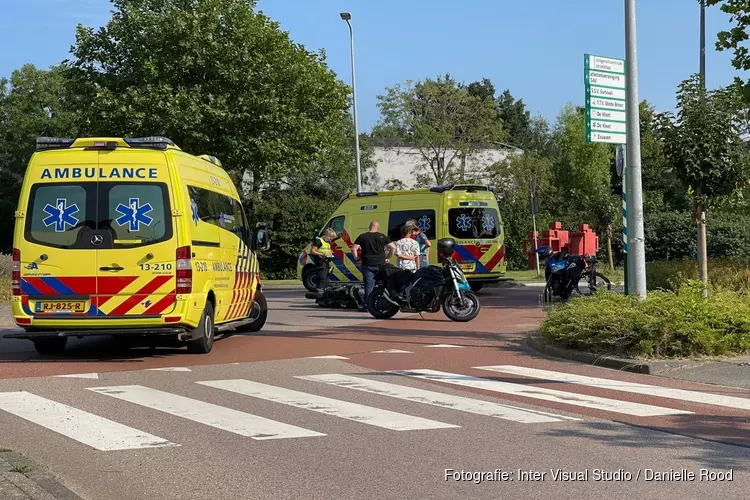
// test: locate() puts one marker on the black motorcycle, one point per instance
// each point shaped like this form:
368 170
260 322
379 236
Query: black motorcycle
425 290
564 273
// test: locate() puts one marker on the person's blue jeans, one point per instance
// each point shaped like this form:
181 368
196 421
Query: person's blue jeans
368 276
423 262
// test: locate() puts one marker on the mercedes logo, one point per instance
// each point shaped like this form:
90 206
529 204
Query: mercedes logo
97 239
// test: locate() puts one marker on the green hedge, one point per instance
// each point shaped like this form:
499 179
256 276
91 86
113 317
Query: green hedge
673 235
666 324
725 273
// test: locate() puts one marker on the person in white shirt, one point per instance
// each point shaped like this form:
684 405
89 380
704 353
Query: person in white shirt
407 250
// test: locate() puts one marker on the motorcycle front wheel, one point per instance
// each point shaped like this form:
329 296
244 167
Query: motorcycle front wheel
378 305
461 311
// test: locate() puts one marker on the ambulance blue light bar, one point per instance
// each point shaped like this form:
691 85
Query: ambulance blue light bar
43 143
157 142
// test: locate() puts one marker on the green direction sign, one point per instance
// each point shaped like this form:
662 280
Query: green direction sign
605 83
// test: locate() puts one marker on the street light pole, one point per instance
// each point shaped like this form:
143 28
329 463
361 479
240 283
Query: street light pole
702 257
636 246
346 16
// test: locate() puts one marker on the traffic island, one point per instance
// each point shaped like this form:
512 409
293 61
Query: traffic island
21 479
652 367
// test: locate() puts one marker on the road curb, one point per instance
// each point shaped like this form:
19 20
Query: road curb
33 482
542 345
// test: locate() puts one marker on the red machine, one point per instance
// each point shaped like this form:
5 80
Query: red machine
583 242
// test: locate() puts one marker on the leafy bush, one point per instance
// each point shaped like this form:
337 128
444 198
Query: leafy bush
673 235
666 324
725 273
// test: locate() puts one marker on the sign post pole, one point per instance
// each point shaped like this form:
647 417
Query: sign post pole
622 172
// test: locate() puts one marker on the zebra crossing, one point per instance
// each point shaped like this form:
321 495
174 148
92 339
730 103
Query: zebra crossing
95 431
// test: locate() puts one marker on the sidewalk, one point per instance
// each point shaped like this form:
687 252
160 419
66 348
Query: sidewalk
21 479
725 371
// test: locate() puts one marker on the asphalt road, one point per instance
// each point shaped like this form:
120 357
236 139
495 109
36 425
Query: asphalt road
393 411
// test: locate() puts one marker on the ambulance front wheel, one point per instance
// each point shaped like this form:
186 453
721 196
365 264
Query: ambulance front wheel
310 278
258 314
203 336
50 346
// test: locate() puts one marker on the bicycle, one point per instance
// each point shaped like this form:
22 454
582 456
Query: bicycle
595 280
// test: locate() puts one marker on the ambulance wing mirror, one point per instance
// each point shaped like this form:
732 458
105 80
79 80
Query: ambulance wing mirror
262 240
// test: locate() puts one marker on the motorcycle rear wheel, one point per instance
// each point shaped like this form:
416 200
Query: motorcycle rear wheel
379 307
455 312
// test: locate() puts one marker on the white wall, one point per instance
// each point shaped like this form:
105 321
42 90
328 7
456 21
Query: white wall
403 163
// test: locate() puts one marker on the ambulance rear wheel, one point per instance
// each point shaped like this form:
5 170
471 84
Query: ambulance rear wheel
50 346
310 279
258 314
204 333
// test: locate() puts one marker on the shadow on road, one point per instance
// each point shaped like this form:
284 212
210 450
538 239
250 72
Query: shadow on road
719 448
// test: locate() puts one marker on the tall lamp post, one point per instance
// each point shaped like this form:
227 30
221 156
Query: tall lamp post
346 16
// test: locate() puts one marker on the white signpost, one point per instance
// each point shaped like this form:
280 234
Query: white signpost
605 99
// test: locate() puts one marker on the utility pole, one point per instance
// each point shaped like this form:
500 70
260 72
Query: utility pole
636 246
702 245
346 16
534 210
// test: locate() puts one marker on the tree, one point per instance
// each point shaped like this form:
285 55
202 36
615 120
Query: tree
704 146
739 14
580 169
516 119
33 103
441 119
217 78
662 188
512 179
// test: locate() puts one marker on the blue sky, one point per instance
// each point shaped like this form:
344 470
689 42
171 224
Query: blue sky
533 48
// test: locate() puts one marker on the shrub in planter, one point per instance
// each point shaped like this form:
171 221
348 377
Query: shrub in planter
676 323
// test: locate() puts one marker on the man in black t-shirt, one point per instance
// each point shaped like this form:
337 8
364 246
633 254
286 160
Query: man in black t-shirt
370 249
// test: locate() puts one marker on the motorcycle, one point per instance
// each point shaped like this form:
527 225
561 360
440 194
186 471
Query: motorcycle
425 290
563 273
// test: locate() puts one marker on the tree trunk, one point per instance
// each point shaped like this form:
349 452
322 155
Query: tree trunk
463 167
700 219
703 252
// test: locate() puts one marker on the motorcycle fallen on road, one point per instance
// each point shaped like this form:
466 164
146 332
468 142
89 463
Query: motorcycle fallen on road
426 290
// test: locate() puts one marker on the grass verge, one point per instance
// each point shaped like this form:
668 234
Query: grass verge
616 276
666 324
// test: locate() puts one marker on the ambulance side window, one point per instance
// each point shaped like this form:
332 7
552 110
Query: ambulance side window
201 201
425 219
337 223
242 229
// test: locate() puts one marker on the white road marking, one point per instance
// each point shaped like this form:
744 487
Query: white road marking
477 406
613 405
619 385
445 345
392 351
334 407
92 430
330 356
79 375
226 419
170 369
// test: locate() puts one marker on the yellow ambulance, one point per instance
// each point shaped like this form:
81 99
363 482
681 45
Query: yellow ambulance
132 237
467 213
